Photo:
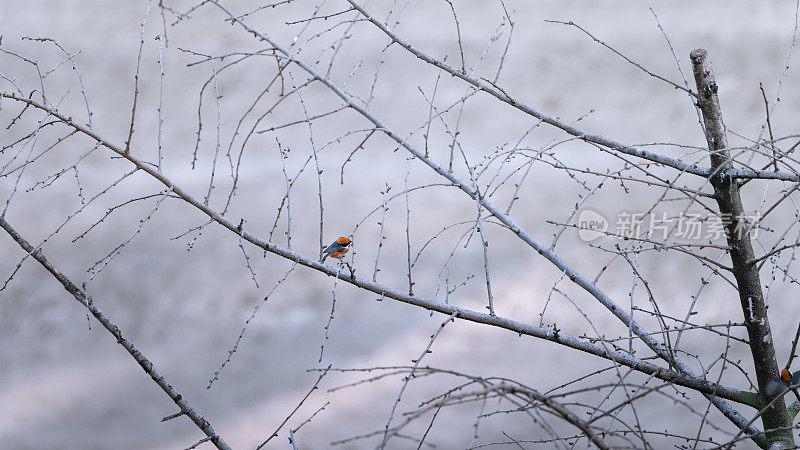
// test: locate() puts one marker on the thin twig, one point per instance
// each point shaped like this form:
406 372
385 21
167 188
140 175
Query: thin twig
411 374
310 391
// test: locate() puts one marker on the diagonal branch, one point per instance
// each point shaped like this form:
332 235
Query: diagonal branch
148 367
685 378
500 94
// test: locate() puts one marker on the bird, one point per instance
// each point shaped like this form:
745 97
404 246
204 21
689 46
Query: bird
787 379
337 249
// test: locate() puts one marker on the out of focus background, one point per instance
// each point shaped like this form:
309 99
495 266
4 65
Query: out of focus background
183 294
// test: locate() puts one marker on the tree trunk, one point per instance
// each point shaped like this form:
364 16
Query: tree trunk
726 193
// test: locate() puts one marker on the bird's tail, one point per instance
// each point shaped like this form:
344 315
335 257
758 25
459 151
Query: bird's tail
324 256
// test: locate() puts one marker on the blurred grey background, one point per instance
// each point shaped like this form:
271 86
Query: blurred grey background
63 386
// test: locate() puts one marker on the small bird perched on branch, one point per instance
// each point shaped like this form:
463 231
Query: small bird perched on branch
787 379
337 249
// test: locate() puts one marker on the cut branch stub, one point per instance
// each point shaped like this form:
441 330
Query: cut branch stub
712 115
